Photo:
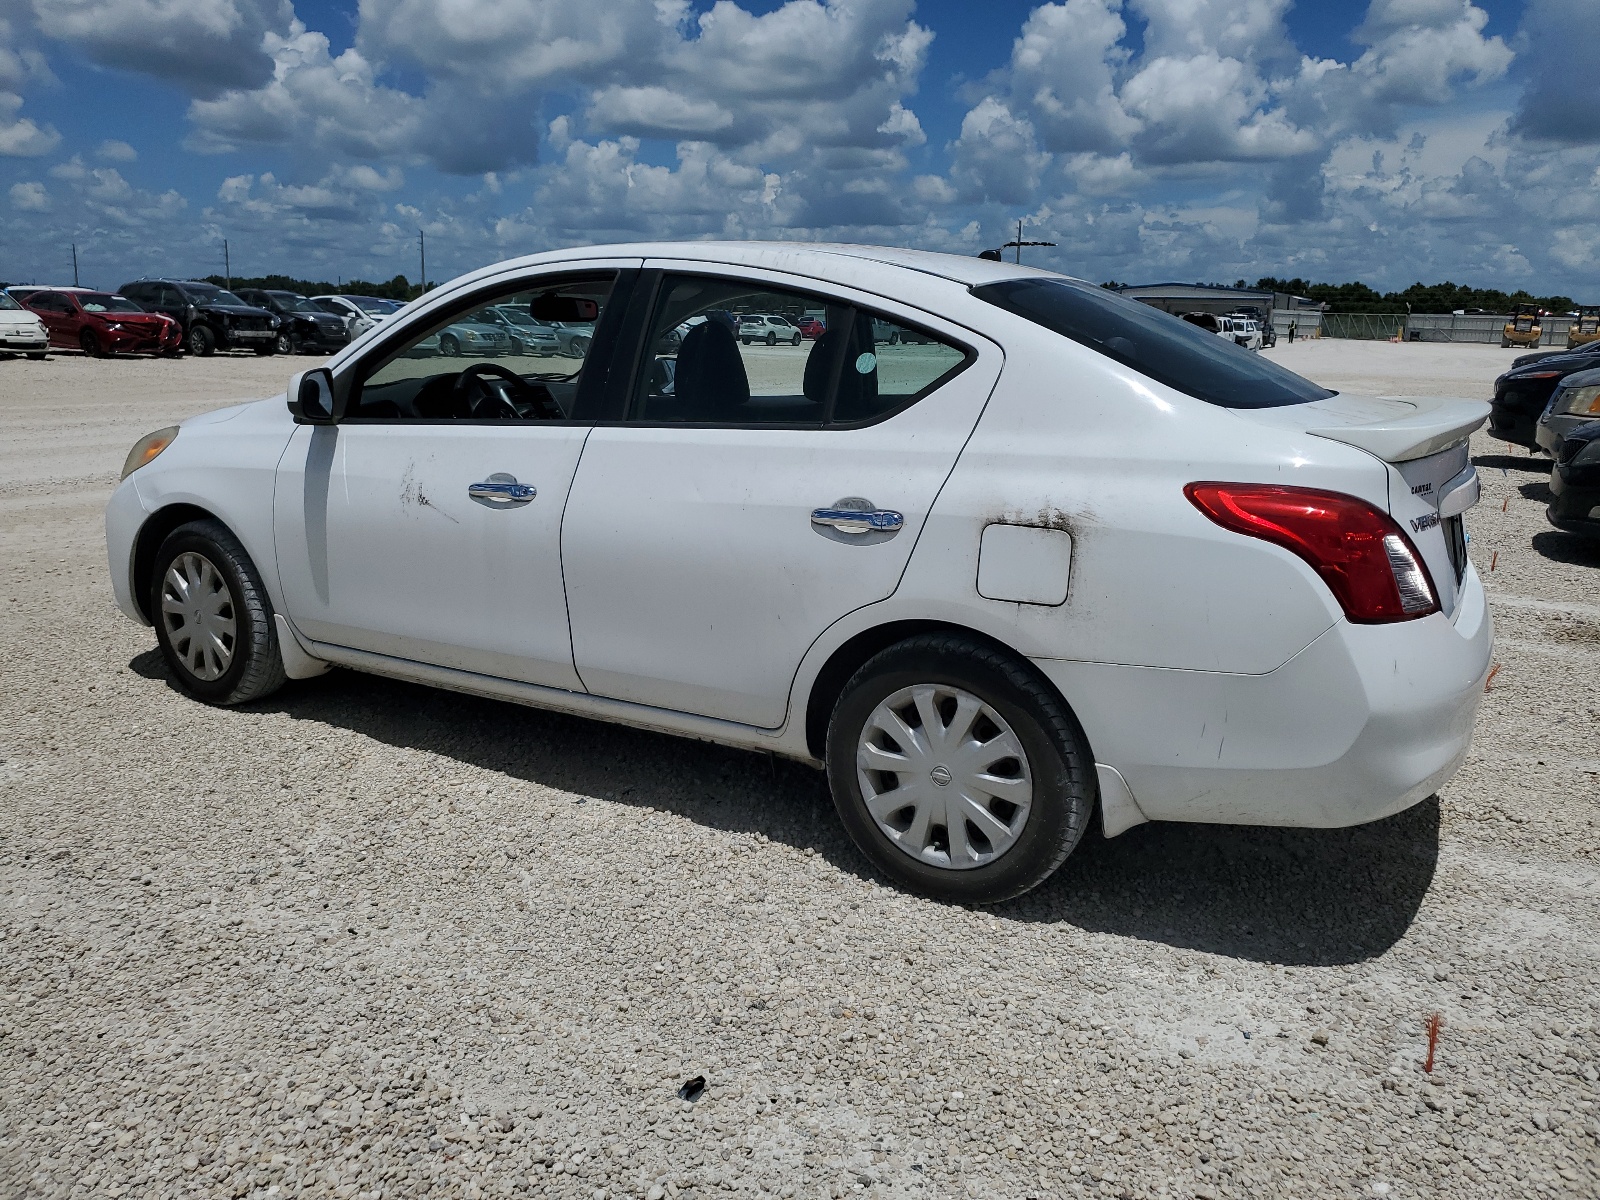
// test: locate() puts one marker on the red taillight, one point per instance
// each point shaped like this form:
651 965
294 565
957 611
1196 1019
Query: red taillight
1362 555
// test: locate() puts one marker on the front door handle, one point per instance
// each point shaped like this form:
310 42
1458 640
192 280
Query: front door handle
859 520
502 491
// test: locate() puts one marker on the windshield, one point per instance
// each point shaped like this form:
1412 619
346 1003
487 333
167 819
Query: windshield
1154 343
371 304
207 294
106 302
6 301
289 302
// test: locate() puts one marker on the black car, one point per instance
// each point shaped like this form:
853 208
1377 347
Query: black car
1575 482
1521 394
213 319
302 325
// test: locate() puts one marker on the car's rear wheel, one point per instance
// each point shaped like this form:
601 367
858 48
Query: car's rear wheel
957 770
89 344
212 616
202 341
772 338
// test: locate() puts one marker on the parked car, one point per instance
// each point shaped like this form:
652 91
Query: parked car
947 584
1575 482
211 318
1247 333
360 313
1575 402
811 327
302 325
474 335
527 335
754 327
1522 393
99 323
21 330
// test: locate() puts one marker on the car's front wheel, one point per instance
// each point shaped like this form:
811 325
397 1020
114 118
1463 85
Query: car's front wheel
957 770
89 344
202 341
212 616
285 342
449 347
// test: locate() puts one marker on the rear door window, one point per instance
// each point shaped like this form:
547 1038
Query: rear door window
708 360
1154 343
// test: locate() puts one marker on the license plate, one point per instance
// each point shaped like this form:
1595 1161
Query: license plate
252 333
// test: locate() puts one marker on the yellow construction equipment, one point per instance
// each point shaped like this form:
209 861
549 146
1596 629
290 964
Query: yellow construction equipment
1585 327
1523 328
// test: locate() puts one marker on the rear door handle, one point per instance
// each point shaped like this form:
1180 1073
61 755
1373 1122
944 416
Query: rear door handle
502 491
857 521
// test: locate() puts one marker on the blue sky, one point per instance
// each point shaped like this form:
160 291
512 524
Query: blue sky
1152 139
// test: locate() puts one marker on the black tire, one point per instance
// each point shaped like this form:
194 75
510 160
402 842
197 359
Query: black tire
795 341
89 344
580 346
285 343
201 341
449 347
772 338
256 667
1058 760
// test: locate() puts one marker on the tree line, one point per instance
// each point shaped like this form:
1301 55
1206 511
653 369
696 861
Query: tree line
399 288
1418 298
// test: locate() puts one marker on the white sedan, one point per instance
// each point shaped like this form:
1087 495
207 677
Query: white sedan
1044 554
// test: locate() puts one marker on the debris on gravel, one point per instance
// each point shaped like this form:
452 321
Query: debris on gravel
370 940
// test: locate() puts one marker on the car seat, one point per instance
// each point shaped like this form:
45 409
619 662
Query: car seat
710 382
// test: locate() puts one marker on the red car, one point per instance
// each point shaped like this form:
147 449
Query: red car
103 323
811 327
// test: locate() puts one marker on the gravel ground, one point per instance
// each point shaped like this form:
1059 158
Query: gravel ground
370 940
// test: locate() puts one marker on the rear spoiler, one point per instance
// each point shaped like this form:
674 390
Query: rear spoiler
1432 424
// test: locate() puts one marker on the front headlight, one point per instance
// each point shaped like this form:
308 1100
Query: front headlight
1579 402
147 447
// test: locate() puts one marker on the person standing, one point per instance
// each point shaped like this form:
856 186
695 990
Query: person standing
1291 332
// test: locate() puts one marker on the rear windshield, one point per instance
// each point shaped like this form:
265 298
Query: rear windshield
1154 343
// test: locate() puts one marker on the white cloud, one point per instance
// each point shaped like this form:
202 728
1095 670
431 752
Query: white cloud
30 197
1561 45
115 151
997 156
1419 49
20 136
201 45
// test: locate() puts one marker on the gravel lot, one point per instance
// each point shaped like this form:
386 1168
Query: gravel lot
368 939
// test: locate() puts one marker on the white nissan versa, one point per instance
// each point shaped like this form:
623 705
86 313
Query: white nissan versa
1046 549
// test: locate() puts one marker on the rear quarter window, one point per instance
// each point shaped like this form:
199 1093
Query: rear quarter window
1156 344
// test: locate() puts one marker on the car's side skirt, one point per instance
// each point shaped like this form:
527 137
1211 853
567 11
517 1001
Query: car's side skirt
619 712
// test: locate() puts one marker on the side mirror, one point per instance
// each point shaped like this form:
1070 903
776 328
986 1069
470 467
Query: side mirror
552 306
312 400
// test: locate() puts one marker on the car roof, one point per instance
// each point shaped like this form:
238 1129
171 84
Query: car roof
819 260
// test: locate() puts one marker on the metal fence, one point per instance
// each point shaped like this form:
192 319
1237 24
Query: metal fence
1483 328
1367 327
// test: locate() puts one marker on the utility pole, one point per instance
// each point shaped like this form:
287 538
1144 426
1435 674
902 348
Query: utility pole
1019 241
227 265
422 256
996 255
74 264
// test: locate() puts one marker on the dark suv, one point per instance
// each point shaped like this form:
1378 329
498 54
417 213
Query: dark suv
302 325
212 319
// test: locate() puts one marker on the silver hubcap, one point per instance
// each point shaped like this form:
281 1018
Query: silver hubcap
944 776
197 610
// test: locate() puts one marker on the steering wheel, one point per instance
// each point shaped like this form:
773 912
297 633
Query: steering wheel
488 405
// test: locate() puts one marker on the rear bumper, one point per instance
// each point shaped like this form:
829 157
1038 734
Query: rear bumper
1514 420
1363 723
